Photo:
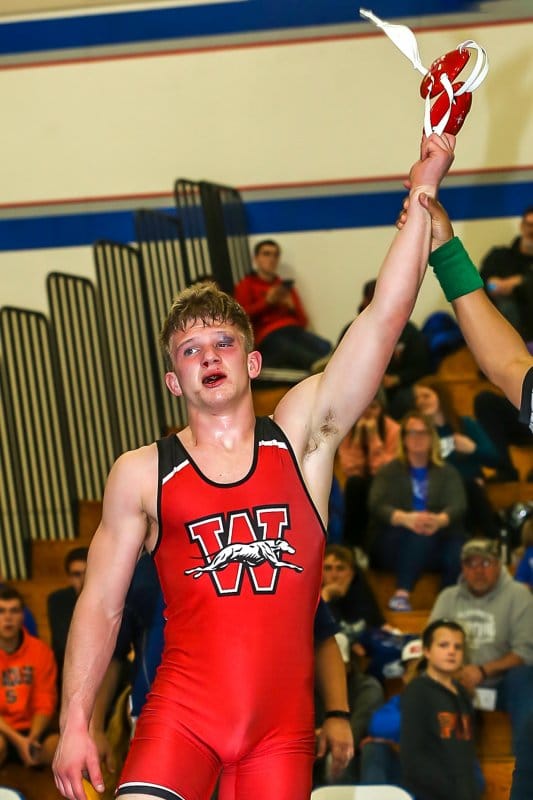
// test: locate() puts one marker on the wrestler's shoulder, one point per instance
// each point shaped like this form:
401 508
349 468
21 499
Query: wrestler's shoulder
140 459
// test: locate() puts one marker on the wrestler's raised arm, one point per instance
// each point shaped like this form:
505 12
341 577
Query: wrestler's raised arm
317 413
495 344
113 554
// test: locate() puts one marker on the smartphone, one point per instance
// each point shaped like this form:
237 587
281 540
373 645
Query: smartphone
288 283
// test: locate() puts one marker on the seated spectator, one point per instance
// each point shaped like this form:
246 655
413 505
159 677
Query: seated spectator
372 442
497 615
417 505
28 692
354 606
409 362
60 604
508 276
437 751
380 750
499 418
465 445
278 317
28 619
524 568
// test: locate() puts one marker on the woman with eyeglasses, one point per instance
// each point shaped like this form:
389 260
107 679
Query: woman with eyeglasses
417 505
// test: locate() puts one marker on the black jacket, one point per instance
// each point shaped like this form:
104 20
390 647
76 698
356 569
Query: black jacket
437 750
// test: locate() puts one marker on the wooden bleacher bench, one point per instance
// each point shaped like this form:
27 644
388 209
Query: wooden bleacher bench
422 597
33 784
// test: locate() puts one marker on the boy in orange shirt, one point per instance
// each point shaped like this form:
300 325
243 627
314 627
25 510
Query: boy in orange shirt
28 694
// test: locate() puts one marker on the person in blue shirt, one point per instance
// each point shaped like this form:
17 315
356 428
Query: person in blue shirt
417 505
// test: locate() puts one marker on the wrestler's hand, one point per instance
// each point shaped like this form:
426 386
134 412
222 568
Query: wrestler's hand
76 757
436 158
441 227
336 737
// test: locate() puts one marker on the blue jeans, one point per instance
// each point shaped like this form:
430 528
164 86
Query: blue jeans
515 695
408 555
380 764
294 347
523 772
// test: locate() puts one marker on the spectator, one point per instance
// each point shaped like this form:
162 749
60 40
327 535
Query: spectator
508 276
61 603
524 568
497 615
277 314
28 692
417 505
465 445
498 418
410 361
28 619
371 443
380 750
437 751
354 606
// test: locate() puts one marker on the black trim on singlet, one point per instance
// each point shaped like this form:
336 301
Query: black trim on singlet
148 789
281 435
526 404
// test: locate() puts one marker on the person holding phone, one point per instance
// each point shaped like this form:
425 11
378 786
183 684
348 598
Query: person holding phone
277 313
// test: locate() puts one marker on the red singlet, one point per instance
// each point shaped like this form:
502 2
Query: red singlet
240 567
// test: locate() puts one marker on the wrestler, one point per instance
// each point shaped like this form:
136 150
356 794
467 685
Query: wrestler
232 698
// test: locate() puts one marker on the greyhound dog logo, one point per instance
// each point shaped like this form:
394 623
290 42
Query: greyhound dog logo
250 554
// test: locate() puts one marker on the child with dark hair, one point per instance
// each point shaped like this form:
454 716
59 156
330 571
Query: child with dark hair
437 751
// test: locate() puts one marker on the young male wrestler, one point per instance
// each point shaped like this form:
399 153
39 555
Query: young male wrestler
233 510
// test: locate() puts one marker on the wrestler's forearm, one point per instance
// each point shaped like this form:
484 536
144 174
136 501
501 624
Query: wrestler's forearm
495 344
330 675
90 646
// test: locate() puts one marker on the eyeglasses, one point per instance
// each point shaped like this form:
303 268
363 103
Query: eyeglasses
474 563
269 253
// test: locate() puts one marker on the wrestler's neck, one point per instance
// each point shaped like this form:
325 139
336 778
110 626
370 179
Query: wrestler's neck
228 430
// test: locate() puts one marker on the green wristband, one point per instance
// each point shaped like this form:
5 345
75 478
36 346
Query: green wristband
455 270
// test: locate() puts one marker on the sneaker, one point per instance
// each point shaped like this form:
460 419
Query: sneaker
399 602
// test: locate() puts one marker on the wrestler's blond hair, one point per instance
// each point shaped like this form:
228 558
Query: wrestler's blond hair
204 302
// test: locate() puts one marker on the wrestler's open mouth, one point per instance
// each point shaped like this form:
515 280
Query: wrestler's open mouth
212 380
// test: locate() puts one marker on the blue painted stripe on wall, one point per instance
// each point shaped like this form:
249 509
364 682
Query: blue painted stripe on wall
40 35
272 216
372 210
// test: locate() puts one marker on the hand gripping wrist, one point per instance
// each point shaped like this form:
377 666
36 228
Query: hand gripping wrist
455 270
